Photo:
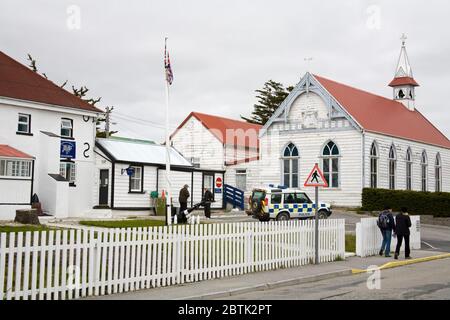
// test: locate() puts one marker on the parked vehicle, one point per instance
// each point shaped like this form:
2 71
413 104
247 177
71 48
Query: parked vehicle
284 204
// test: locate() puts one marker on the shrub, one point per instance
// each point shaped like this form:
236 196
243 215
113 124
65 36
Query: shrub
420 203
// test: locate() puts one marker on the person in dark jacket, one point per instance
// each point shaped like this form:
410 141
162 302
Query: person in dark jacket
183 198
207 199
402 225
387 225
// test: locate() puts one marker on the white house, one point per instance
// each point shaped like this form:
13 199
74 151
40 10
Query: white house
358 138
218 143
57 130
117 187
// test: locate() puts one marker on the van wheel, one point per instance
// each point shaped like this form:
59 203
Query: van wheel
323 214
283 217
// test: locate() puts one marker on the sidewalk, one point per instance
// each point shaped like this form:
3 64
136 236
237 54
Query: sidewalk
228 286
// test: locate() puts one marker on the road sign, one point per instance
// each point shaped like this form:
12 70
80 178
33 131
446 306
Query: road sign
316 178
219 182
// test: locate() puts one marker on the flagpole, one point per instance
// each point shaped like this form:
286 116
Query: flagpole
168 186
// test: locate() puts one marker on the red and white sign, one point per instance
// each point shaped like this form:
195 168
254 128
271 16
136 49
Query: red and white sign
218 182
316 178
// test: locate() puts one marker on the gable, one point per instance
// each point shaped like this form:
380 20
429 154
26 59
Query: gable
227 131
310 106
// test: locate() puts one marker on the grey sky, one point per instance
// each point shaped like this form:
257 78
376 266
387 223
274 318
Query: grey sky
222 51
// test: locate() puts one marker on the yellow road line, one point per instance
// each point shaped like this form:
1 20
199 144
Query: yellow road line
395 264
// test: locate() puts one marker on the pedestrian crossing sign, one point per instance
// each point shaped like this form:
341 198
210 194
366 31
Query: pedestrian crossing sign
316 178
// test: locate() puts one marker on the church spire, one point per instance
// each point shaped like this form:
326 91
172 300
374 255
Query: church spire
403 82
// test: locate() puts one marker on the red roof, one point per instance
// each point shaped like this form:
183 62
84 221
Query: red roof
220 126
378 114
403 81
19 82
10 152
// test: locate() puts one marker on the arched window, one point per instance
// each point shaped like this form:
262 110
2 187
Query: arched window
374 165
438 173
392 167
424 166
290 166
330 164
409 169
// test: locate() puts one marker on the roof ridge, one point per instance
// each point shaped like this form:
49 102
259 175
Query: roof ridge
225 118
359 89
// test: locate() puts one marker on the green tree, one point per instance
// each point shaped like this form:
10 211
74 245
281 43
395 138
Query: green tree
269 99
80 93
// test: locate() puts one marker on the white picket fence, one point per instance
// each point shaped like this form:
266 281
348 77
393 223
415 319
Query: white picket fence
369 238
68 264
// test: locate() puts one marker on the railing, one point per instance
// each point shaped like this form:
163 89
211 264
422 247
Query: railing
234 196
68 264
368 237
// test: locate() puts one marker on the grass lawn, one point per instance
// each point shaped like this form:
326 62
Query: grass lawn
350 243
23 228
123 223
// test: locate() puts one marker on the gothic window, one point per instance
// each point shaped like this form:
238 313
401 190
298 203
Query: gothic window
408 169
330 164
373 165
290 163
401 94
438 173
392 167
424 166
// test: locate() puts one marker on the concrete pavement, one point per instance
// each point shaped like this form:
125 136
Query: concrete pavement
259 281
430 280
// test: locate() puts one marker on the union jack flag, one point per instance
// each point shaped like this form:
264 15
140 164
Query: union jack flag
168 68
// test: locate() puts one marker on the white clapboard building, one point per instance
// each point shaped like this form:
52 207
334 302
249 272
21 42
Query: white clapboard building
359 139
47 138
218 143
117 187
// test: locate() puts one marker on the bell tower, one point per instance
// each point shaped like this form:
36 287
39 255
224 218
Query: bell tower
403 83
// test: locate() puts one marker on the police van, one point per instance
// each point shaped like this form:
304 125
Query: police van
283 204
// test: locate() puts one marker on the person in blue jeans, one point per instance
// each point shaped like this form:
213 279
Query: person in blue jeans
387 226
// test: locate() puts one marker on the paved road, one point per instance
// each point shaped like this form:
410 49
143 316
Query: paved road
434 238
397 283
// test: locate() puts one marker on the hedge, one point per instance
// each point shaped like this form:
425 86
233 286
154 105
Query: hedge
421 203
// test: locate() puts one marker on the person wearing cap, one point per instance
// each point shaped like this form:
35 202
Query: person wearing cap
183 198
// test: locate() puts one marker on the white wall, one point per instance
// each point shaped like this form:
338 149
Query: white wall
47 157
194 140
11 192
384 143
123 198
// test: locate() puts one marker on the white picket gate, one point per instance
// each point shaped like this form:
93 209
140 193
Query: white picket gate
369 238
68 264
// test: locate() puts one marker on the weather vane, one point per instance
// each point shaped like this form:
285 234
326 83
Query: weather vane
403 38
308 62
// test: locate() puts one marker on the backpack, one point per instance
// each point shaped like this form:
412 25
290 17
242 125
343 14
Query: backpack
383 221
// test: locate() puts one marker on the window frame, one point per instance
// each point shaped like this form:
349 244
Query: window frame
71 177
292 159
392 165
241 173
330 157
374 165
409 167
28 124
16 169
424 172
71 128
141 178
438 173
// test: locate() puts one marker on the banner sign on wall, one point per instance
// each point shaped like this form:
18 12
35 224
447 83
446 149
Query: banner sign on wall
68 149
